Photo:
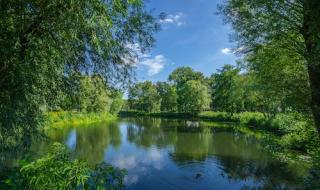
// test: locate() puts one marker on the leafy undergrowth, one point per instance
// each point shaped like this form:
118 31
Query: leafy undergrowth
65 118
57 170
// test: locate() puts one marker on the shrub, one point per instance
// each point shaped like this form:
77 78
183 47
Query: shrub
250 118
296 130
57 171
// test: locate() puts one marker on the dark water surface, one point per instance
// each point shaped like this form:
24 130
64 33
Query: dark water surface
178 154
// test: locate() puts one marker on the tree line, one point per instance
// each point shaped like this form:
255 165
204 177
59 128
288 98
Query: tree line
185 92
250 86
85 93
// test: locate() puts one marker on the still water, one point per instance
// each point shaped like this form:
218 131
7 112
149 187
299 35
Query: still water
179 155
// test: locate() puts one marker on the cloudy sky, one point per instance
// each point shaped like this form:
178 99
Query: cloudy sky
192 35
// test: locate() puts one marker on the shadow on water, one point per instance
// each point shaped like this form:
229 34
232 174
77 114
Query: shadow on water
179 154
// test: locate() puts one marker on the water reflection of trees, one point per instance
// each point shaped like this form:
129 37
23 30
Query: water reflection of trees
91 141
263 174
240 156
192 144
151 132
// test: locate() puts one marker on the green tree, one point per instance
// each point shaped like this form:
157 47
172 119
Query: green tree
117 102
227 92
168 95
144 97
281 79
293 24
183 74
193 97
43 41
92 95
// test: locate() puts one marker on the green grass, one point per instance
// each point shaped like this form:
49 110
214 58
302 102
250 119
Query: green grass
135 113
65 118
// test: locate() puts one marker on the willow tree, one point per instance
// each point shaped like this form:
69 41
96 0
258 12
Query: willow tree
193 97
295 24
42 41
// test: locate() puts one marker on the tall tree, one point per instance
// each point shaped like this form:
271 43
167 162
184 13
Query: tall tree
193 97
144 97
43 41
294 24
227 93
281 78
183 74
168 95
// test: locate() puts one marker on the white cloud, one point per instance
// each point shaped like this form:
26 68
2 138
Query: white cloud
127 162
152 64
176 19
226 51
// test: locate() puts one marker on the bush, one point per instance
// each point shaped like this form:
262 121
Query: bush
57 171
296 130
255 119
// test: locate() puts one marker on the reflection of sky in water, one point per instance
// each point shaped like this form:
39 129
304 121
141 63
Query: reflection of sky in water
137 161
72 139
172 159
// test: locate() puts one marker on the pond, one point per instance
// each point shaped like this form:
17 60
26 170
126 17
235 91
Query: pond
179 154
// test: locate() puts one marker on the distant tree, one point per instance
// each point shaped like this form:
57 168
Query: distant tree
226 92
168 95
183 74
193 97
117 102
94 95
144 97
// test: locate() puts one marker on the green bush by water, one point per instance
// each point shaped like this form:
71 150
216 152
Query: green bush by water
57 171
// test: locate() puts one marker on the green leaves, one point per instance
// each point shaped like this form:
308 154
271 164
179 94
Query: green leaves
57 171
193 97
144 96
45 41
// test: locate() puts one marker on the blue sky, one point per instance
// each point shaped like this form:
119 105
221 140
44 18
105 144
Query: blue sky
192 35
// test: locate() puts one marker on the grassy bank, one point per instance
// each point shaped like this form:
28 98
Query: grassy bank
134 113
64 118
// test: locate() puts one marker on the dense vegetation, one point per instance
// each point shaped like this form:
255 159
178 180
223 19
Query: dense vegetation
75 56
63 56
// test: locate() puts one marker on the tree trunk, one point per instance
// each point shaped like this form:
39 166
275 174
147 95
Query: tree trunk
314 76
311 31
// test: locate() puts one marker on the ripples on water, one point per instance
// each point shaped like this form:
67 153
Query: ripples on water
178 154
